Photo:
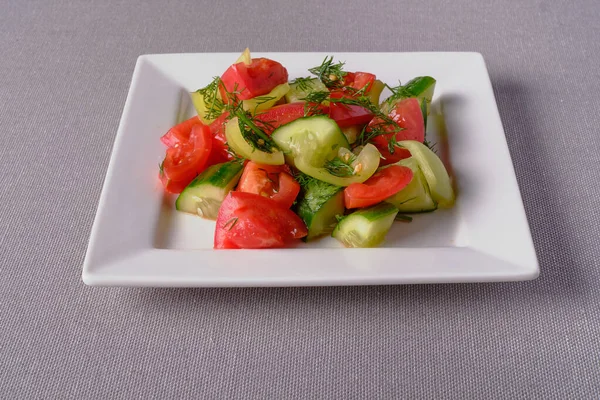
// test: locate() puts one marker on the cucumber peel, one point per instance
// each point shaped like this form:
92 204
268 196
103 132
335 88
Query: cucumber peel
366 227
416 196
204 195
434 172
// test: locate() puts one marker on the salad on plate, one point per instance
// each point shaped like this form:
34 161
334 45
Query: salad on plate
274 161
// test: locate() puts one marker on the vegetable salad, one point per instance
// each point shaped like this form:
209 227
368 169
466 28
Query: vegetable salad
275 160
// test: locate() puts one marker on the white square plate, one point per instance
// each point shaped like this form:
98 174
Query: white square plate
138 239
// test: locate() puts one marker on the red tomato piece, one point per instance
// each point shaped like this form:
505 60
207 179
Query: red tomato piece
383 184
283 114
288 190
184 161
220 149
407 114
249 221
389 158
256 79
180 133
362 79
349 78
171 186
275 182
347 114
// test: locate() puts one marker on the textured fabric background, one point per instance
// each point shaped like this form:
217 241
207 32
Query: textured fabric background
65 68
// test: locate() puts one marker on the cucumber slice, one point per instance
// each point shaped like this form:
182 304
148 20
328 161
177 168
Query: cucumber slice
415 197
434 171
363 167
311 143
351 132
204 195
421 87
238 143
317 138
262 103
375 91
318 205
366 227
302 87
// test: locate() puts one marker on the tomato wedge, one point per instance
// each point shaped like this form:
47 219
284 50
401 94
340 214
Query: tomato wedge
384 183
219 143
180 133
186 160
256 79
283 114
362 79
347 114
275 182
251 221
407 114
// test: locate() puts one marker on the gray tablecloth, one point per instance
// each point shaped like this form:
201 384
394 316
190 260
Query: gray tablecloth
65 68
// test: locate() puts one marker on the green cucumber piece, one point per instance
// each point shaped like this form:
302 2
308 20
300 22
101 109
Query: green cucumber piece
363 167
264 102
311 143
434 172
352 132
366 227
300 88
316 139
238 143
421 87
204 195
319 204
415 197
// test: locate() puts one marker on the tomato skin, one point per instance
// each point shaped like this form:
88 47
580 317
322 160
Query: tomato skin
248 220
345 114
219 143
289 189
256 79
185 160
275 182
389 158
383 184
180 133
283 114
407 114
362 79
171 186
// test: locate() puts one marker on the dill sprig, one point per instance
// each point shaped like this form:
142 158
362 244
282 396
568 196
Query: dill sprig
312 102
330 73
398 93
211 100
230 223
253 134
302 83
262 100
304 180
249 126
383 124
339 167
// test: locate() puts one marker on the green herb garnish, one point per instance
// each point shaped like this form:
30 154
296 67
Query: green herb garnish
211 99
330 73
